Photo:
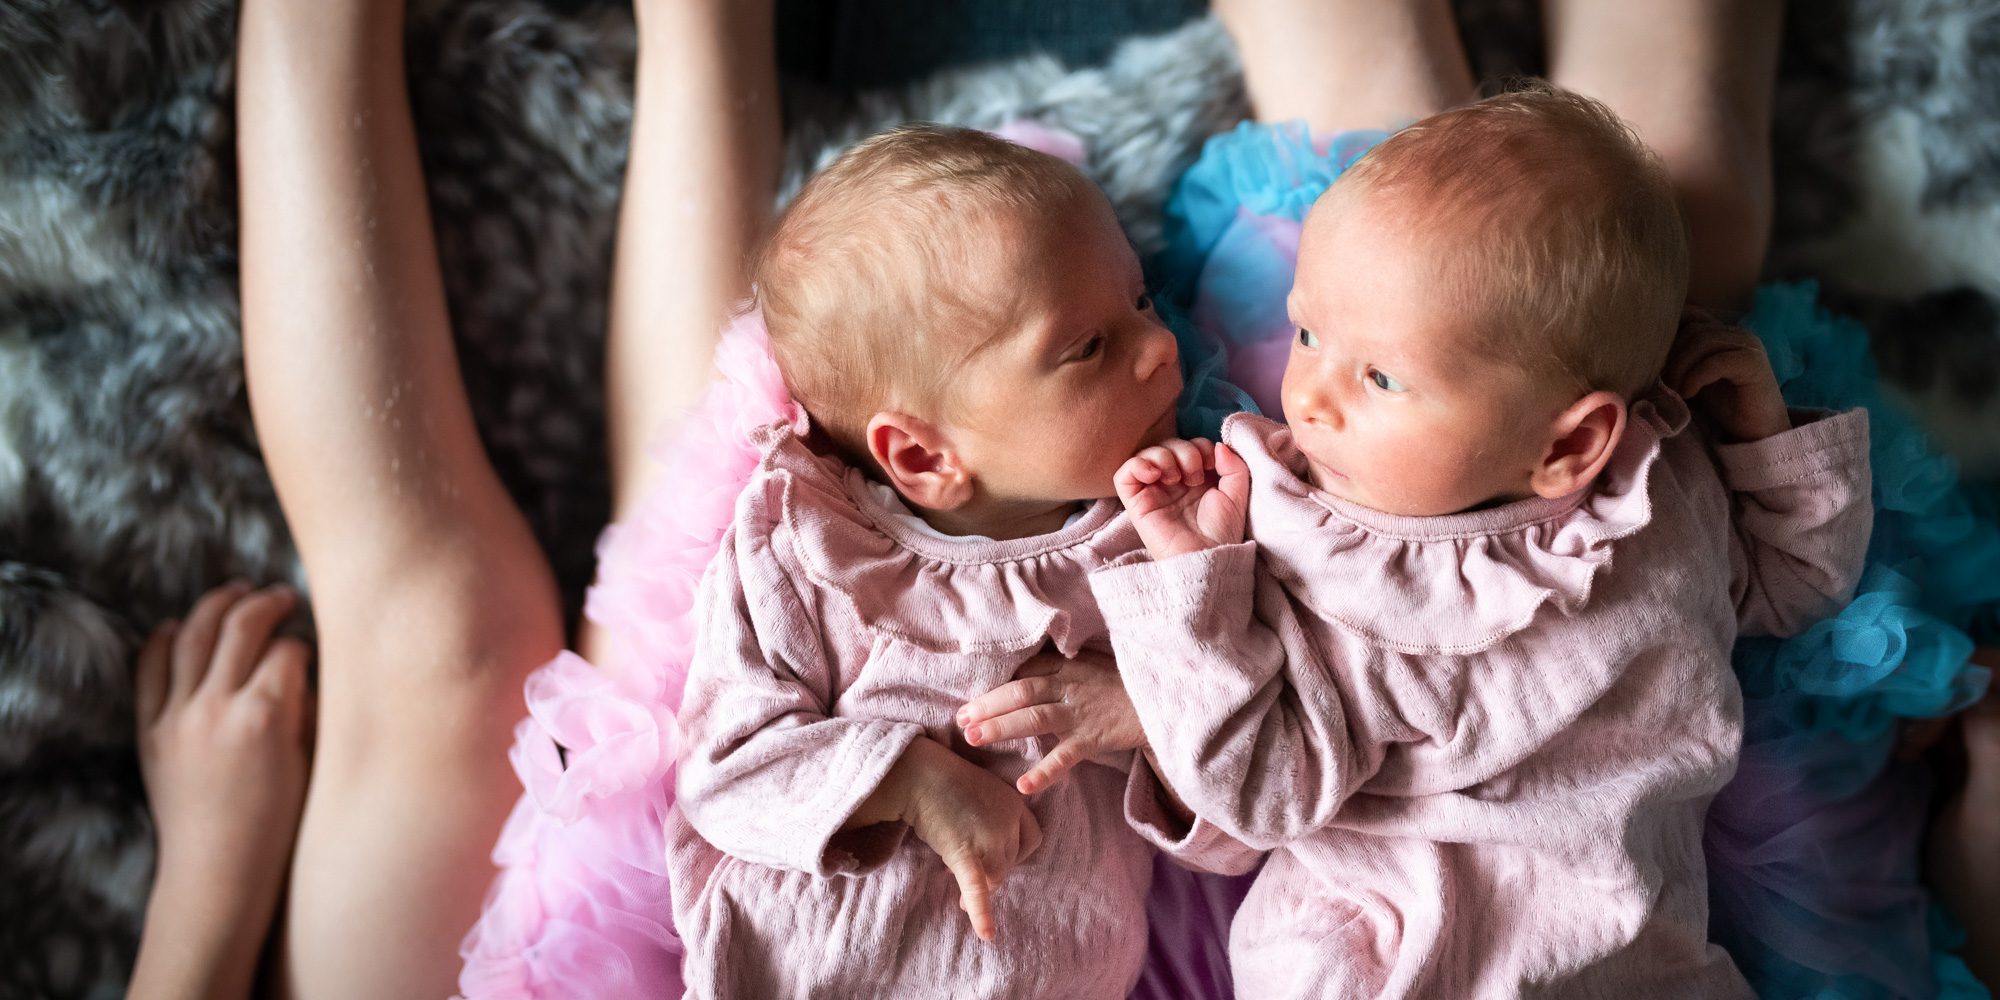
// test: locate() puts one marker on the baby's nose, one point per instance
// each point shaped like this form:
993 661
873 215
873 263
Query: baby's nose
1308 402
1157 351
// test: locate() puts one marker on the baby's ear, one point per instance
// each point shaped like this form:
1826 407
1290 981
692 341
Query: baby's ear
918 461
1581 440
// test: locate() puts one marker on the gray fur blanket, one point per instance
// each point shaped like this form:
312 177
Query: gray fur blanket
129 474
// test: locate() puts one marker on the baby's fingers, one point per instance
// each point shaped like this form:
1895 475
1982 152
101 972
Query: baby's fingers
1135 476
1042 719
1187 457
1727 366
1012 696
1006 702
1030 836
975 893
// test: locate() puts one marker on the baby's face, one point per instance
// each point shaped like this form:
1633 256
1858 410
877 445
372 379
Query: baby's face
1391 408
1082 375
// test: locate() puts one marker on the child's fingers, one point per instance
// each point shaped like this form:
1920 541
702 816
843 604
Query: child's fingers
1012 696
280 675
246 634
195 643
149 679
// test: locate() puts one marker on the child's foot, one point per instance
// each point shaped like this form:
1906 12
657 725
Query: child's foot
222 732
1965 841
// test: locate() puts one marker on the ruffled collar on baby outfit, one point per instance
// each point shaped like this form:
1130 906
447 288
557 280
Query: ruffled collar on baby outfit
1453 584
943 594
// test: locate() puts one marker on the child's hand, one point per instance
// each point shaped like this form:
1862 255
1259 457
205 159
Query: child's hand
1727 368
1173 505
1079 700
223 726
222 732
978 825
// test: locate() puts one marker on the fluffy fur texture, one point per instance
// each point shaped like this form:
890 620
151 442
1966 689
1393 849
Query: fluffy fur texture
129 473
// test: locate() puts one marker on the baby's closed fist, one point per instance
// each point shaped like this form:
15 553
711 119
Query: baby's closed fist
1174 502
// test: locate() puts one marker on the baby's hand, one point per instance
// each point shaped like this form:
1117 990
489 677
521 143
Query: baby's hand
979 826
1079 700
1173 505
1727 368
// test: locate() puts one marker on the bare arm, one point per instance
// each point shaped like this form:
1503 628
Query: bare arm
431 597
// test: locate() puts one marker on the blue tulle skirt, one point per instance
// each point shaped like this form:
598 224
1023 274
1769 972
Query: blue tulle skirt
1813 848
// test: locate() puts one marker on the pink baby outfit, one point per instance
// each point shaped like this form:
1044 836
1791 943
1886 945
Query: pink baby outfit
832 633
1481 745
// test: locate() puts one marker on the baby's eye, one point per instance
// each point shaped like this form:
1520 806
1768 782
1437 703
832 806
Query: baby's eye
1307 338
1090 348
1144 304
1383 381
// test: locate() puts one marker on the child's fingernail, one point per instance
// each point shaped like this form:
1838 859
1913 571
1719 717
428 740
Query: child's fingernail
973 735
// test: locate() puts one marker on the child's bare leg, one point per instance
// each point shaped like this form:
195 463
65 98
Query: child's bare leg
699 181
1695 78
698 187
1348 64
222 723
1965 842
431 597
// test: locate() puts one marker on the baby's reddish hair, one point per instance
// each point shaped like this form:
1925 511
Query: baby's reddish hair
865 281
1560 231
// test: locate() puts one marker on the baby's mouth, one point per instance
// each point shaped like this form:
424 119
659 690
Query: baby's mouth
1323 474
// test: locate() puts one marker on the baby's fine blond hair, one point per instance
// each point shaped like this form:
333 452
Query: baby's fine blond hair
1565 240
867 282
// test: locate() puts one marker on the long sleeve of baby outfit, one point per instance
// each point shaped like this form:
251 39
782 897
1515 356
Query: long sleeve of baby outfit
1802 518
1196 844
767 774
1263 759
